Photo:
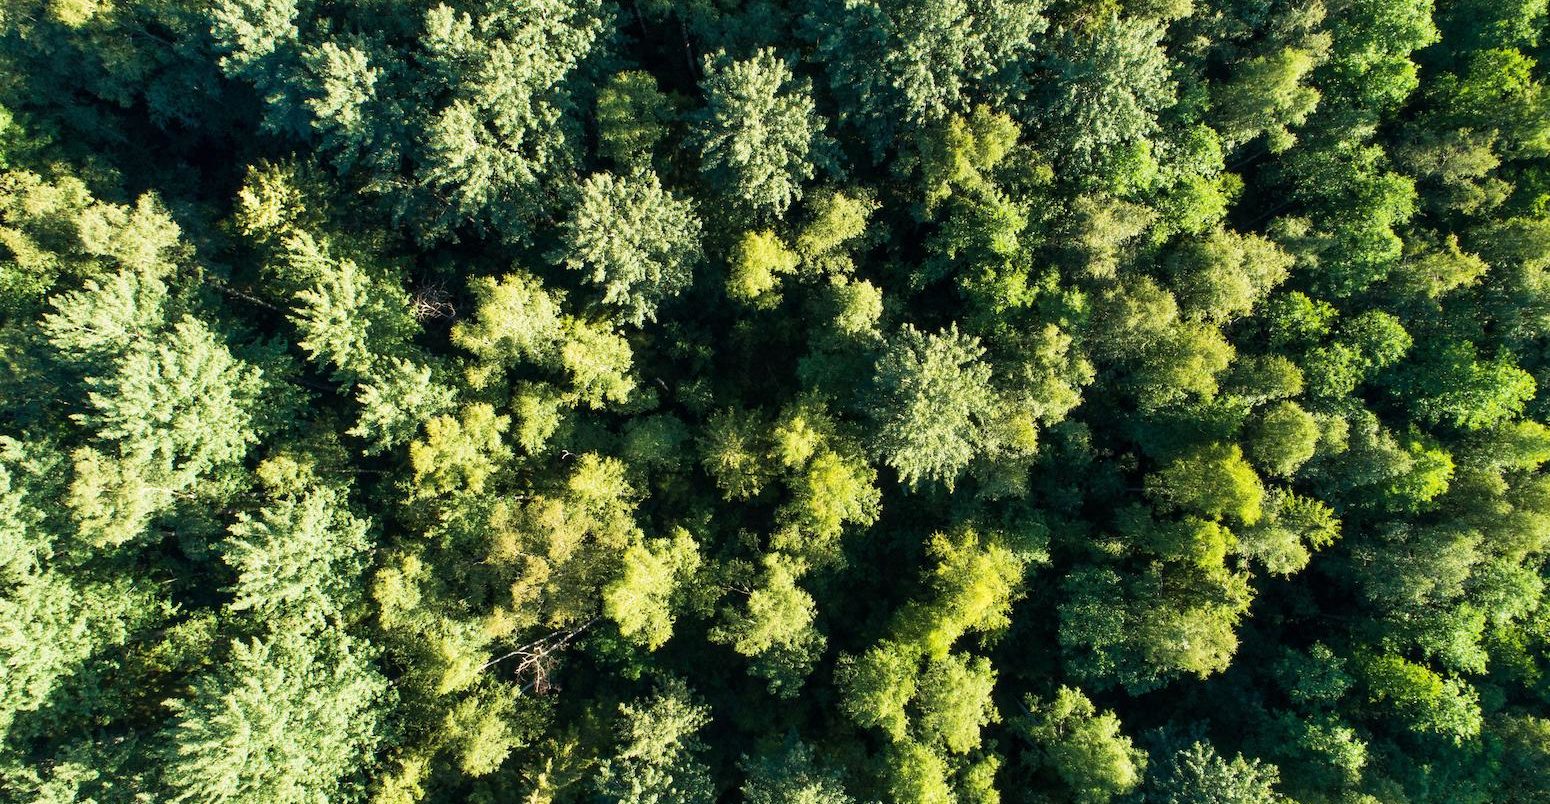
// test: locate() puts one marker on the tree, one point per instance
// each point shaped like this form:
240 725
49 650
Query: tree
976 578
655 760
349 320
52 628
285 719
1284 438
1451 384
1224 276
397 402
775 627
759 134
299 559
635 240
632 117
1110 82
732 451
1267 95
931 397
1291 529
1197 775
459 452
639 600
496 114
1215 482
758 262
1370 58
833 489
1083 747
835 219
877 685
92 325
599 362
917 775
1421 699
955 701
898 64
790 774
515 319
180 408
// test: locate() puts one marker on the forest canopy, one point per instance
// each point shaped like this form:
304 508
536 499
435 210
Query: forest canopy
781 401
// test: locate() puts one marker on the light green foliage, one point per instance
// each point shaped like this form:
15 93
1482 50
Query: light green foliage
1284 438
1223 276
639 600
1184 364
459 452
957 155
775 627
1421 699
54 229
758 262
1136 316
1083 746
835 220
112 501
1142 634
598 362
1103 231
1215 481
877 685
955 703
832 490
1294 318
932 396
1372 43
1291 529
655 760
164 414
1437 271
298 558
1353 184
858 306
831 483
1496 90
51 628
483 727
514 319
973 584
179 408
1256 379
634 240
1267 95
94 324
917 775
757 134
24 496
346 82
732 450
284 719
350 321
